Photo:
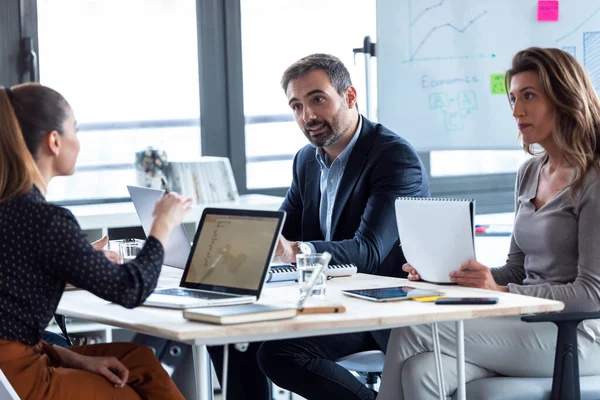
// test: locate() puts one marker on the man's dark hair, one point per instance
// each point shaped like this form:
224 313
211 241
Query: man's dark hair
333 67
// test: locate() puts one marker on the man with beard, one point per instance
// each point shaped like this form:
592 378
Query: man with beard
341 200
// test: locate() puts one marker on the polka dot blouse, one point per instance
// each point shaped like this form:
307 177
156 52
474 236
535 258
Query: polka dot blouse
41 248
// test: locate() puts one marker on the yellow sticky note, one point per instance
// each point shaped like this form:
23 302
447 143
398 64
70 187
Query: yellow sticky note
427 299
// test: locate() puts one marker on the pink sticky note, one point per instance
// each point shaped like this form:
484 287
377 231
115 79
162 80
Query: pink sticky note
547 10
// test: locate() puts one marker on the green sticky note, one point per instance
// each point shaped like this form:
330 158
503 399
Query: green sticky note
497 84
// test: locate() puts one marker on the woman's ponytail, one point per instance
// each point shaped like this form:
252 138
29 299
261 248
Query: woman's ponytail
18 170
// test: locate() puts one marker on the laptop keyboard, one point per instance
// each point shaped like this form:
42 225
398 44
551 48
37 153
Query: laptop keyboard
196 294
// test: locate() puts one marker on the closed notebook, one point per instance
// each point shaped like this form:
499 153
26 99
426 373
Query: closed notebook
239 314
288 272
436 235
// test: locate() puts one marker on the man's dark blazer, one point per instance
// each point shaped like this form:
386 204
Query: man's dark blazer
381 168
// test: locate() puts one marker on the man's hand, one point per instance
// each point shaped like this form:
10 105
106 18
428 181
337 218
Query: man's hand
286 250
111 255
477 275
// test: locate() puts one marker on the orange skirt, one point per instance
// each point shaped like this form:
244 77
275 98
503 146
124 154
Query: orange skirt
37 372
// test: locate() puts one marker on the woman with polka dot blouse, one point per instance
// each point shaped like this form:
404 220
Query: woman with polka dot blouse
42 247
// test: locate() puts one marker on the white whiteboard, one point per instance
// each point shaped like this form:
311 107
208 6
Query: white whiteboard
436 58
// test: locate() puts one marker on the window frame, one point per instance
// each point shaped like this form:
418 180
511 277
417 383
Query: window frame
18 20
222 120
493 192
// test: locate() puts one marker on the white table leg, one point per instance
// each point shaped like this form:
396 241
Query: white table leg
460 360
435 333
202 366
225 371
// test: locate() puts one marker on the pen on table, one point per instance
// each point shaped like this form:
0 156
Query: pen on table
494 228
164 185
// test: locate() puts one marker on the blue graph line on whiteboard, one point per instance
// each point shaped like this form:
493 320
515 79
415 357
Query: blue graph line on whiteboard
591 57
563 37
454 110
572 50
447 25
425 11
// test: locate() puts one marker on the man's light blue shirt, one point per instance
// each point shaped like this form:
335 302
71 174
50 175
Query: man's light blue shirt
331 175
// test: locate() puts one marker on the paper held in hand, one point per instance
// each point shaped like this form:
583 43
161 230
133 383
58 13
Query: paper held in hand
436 234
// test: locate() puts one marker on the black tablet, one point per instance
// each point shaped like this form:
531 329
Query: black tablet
391 293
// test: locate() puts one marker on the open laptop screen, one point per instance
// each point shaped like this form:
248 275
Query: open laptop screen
233 249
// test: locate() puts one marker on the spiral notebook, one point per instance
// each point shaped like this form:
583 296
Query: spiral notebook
436 234
288 272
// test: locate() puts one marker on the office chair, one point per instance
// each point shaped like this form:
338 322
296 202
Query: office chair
565 384
6 390
368 365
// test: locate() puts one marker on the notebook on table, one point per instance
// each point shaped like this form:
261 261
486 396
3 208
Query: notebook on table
255 312
240 314
230 256
177 248
288 272
436 234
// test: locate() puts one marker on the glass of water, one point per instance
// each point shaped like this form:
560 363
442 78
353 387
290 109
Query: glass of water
306 264
129 249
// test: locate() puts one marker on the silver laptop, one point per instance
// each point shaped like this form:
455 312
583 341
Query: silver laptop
229 260
178 244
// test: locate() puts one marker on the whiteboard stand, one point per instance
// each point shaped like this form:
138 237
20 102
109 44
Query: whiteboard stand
368 50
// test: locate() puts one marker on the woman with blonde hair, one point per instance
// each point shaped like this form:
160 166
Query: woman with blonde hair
554 250
42 247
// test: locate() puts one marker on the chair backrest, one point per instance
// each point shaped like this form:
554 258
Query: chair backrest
6 389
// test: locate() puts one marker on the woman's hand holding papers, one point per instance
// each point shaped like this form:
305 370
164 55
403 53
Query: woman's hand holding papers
477 275
471 274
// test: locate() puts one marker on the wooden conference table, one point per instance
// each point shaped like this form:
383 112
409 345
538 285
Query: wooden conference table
361 315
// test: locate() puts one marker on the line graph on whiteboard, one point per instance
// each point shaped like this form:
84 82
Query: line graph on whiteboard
422 31
441 65
591 47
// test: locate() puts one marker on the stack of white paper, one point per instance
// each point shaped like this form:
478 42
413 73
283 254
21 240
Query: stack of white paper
436 235
208 180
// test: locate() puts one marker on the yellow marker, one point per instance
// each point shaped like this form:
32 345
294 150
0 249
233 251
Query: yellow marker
427 299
